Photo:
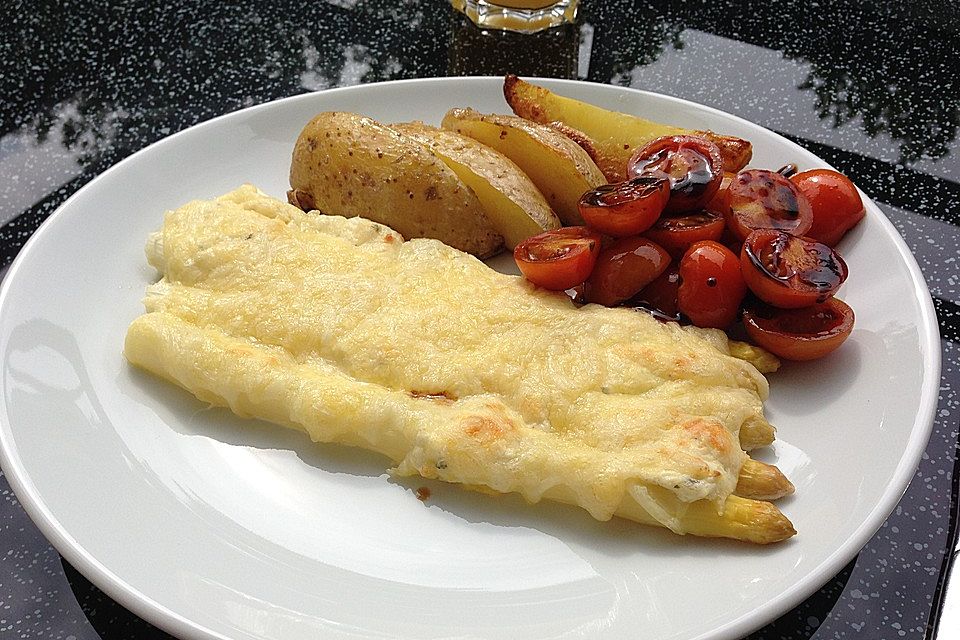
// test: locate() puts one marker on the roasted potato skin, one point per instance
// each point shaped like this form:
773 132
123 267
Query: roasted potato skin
562 170
351 165
612 143
735 152
613 136
514 205
582 139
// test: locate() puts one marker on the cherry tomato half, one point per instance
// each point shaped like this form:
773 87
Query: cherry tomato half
624 268
790 272
625 208
692 164
718 203
837 206
660 296
676 233
799 334
788 170
559 259
761 199
711 287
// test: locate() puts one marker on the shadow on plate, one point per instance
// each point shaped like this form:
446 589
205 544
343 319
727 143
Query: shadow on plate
574 526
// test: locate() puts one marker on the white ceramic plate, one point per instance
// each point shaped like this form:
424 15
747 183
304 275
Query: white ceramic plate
210 526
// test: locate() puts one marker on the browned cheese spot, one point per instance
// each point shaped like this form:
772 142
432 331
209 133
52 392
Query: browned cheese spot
485 430
711 433
444 397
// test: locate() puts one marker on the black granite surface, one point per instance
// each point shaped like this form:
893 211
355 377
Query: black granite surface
874 88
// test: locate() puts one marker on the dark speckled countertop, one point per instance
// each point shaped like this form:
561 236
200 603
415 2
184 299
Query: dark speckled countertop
874 88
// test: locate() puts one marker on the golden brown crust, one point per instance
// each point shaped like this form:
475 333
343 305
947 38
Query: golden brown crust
582 140
612 137
735 152
321 323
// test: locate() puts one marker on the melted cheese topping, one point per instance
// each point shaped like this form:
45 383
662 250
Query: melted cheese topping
423 353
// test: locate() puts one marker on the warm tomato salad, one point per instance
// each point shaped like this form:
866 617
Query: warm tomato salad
689 242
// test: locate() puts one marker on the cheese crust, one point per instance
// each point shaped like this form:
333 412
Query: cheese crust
453 371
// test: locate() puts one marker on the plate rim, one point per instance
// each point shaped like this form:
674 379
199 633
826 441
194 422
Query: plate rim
176 624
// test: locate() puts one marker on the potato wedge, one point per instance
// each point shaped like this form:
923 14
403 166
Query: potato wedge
512 202
735 152
557 165
615 135
351 165
577 136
